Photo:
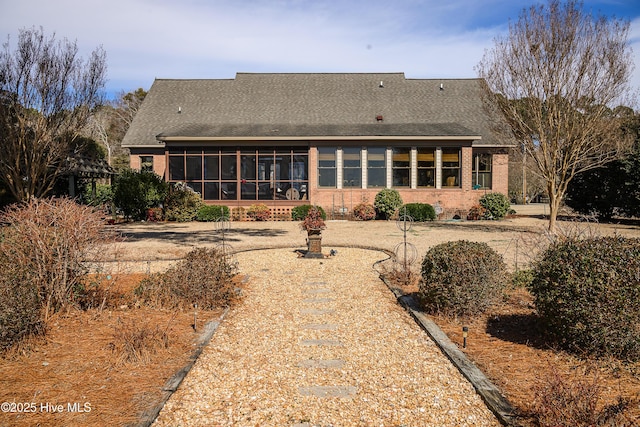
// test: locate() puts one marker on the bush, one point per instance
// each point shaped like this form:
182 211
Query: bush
419 212
387 201
182 204
20 305
496 204
575 401
134 192
587 293
259 212
364 212
298 213
213 213
477 212
461 278
43 252
205 277
103 196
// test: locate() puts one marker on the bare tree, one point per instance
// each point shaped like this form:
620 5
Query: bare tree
100 127
556 76
127 106
47 93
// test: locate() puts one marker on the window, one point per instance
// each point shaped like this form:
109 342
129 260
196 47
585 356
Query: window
376 167
146 163
351 167
481 171
426 167
401 167
451 167
327 167
265 174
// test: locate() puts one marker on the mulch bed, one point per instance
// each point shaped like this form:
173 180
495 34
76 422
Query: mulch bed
507 346
77 375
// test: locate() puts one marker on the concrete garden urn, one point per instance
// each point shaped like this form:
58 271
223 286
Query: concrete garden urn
313 224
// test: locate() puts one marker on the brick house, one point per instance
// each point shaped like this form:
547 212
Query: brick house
334 140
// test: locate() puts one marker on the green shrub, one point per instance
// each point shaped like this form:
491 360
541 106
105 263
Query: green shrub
213 213
522 278
204 277
103 196
419 212
182 204
259 212
462 278
587 293
364 212
496 204
134 192
387 201
298 213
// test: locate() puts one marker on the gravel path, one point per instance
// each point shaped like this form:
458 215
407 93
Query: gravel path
321 342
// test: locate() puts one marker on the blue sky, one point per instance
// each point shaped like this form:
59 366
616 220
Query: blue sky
147 39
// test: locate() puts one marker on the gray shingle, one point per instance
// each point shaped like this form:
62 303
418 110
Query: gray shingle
305 105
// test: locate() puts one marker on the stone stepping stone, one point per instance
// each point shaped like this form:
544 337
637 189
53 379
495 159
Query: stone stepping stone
330 343
322 364
315 283
317 312
317 300
328 391
321 326
317 291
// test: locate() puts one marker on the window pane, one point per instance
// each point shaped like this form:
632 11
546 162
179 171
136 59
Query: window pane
327 167
248 167
400 177
211 169
352 177
300 168
176 168
194 167
376 167
426 177
351 157
265 167
426 167
228 190
211 191
351 170
376 178
228 167
401 166
146 163
195 186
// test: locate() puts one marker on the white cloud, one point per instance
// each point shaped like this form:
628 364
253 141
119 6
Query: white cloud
145 39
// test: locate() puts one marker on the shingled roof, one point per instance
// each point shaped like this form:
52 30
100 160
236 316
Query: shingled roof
311 106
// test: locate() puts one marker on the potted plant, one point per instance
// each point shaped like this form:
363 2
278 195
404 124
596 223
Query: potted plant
313 224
